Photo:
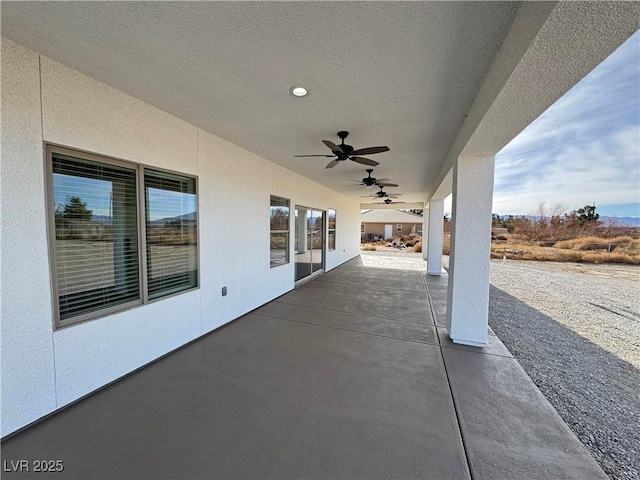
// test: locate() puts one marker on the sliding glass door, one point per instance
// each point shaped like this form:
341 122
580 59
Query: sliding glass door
309 241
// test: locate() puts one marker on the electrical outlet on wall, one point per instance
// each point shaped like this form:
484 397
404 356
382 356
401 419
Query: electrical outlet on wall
224 291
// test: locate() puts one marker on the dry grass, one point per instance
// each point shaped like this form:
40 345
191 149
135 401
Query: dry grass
621 249
584 249
596 243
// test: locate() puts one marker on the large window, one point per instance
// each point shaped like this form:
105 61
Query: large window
331 230
100 246
172 256
279 218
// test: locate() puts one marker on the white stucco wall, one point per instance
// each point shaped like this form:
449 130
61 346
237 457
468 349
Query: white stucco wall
28 383
43 101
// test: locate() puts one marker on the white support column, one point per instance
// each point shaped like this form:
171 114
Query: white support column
434 248
469 261
425 231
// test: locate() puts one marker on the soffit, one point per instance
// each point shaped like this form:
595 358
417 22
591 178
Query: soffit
402 74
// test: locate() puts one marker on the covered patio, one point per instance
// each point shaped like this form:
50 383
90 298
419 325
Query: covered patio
351 375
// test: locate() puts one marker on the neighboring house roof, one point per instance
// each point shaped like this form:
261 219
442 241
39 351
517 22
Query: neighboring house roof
389 216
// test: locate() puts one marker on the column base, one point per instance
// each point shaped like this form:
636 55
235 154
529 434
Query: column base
470 343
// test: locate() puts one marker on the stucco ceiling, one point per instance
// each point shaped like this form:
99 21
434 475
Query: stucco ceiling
402 74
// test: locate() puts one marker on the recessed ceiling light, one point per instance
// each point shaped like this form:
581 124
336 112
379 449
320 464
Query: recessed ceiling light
299 91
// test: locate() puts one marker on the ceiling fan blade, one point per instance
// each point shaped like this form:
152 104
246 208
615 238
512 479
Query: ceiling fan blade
387 184
378 180
352 185
370 150
364 161
332 163
333 146
314 155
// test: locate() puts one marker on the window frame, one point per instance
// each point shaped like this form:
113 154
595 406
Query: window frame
49 150
329 229
362 228
398 227
143 171
287 231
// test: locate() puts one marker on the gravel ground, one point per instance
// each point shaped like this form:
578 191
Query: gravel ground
575 329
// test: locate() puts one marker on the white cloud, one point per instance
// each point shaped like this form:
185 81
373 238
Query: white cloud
585 148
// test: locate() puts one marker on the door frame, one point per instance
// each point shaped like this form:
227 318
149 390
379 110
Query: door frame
321 271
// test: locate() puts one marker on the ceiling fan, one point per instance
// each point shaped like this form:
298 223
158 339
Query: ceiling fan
388 201
382 194
347 152
371 181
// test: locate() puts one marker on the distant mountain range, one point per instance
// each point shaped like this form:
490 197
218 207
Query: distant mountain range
187 217
626 221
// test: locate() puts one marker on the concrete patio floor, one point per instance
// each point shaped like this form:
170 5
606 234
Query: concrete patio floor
350 376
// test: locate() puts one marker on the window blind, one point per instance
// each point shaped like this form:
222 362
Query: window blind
171 232
96 235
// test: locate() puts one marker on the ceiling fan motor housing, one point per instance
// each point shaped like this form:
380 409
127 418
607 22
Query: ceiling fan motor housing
346 151
369 181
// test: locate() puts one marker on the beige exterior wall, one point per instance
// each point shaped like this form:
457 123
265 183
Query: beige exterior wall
377 229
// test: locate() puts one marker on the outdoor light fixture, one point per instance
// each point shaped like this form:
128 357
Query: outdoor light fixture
299 91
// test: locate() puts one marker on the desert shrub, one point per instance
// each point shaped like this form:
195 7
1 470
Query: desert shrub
417 247
445 245
368 248
612 229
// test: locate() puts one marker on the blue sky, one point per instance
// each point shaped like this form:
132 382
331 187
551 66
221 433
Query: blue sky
584 149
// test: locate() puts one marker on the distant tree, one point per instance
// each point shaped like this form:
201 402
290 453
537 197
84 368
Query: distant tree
280 218
76 209
175 224
447 223
507 222
587 214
